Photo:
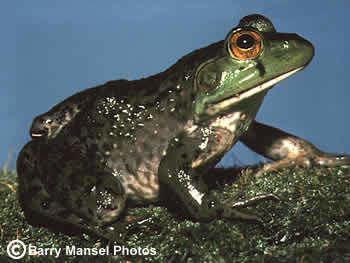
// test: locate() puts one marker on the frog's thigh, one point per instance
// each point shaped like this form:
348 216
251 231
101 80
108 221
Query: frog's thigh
39 208
287 149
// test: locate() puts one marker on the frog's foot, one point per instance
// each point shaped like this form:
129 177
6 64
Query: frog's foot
118 230
254 200
57 218
231 206
307 161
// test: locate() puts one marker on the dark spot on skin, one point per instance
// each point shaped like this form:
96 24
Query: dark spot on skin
129 168
35 189
106 147
197 152
79 202
193 96
90 211
63 214
261 69
179 144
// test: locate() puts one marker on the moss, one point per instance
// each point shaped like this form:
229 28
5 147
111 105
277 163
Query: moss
311 223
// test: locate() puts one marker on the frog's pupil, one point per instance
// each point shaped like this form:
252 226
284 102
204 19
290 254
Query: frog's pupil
245 41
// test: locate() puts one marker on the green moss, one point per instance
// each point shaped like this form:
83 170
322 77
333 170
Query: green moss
311 223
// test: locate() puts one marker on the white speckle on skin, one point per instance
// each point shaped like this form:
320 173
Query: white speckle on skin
205 137
116 173
185 179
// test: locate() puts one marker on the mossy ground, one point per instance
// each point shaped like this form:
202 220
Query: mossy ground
310 224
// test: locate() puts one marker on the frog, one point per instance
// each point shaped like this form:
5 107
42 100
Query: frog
138 142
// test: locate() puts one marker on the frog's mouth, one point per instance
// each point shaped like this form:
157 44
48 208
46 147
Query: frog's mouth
36 135
230 101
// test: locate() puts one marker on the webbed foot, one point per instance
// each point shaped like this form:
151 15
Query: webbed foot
231 212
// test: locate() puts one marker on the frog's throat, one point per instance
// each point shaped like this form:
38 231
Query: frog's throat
218 107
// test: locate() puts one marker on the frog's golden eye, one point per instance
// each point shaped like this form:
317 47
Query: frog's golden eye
245 44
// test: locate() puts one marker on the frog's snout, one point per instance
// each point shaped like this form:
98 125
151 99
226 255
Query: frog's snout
293 49
306 48
38 130
302 48
38 133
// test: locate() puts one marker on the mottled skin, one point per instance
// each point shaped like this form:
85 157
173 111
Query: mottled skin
50 123
143 140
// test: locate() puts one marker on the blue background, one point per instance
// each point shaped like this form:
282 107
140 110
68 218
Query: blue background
52 49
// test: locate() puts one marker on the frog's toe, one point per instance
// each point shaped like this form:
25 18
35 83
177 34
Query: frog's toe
115 232
233 213
302 161
239 215
254 200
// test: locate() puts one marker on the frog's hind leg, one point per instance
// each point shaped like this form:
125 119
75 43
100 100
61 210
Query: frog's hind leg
38 208
287 150
42 210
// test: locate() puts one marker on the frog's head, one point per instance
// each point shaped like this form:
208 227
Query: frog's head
252 59
42 127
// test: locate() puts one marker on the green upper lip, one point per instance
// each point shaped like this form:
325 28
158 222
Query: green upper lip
216 107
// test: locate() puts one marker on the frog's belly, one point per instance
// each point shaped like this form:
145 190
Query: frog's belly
136 166
140 183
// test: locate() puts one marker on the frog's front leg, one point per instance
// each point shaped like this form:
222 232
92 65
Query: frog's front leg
188 156
286 149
